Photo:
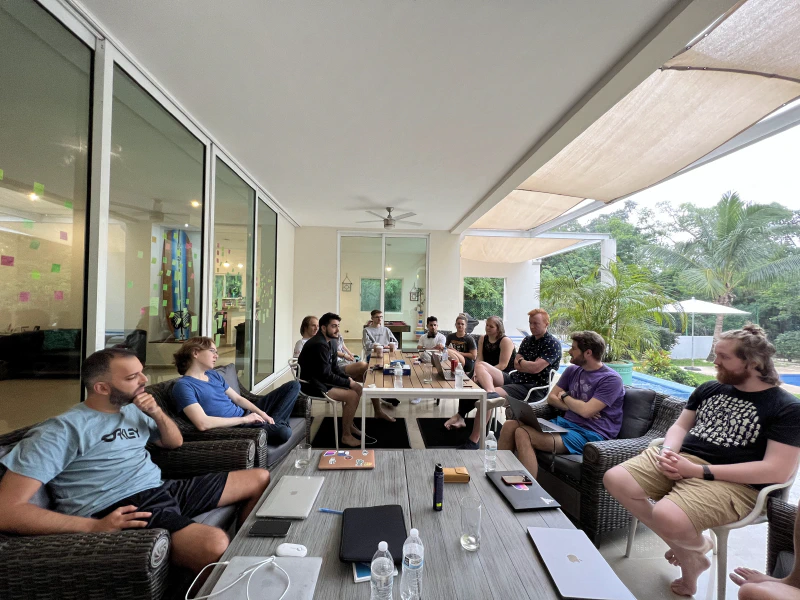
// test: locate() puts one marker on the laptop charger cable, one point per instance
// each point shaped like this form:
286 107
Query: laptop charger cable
249 571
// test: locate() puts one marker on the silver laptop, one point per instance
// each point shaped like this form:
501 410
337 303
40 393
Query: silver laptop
576 566
447 375
292 498
268 583
524 414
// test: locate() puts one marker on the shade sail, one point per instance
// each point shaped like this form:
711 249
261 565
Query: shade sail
701 307
511 250
522 209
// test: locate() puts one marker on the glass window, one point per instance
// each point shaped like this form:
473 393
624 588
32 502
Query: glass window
45 96
405 275
265 291
371 293
234 214
155 230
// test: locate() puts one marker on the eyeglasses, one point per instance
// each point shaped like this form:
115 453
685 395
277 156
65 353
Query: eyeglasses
213 351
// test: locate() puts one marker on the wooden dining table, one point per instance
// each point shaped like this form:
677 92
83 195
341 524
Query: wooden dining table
380 385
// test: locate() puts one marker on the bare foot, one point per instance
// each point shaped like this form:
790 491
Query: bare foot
384 416
355 431
349 440
742 575
455 422
692 565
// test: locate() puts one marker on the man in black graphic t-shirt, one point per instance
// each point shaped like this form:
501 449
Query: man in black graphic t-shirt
735 436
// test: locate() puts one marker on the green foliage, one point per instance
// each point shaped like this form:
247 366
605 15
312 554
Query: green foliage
658 363
483 296
624 309
666 338
788 345
371 294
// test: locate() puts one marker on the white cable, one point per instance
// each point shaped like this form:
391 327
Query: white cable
288 579
251 570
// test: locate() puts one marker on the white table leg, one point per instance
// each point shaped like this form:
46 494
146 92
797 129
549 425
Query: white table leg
363 420
482 440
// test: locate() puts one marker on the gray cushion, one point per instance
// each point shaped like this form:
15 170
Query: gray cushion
276 454
637 412
221 517
566 464
783 564
228 373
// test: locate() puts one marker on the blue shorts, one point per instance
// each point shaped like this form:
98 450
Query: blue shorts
576 437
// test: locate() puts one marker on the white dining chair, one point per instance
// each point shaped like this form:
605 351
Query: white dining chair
295 368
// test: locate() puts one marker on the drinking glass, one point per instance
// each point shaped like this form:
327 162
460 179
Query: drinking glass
470 523
427 373
302 456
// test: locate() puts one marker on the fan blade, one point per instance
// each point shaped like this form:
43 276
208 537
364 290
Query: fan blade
374 214
372 221
405 215
411 223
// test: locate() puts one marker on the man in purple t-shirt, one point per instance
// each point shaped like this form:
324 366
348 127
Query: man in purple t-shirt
589 392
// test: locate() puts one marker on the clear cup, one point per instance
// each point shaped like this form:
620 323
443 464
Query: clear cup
427 373
302 456
471 523
392 346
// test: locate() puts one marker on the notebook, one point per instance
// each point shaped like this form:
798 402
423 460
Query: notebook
364 528
576 566
268 583
522 497
292 498
356 460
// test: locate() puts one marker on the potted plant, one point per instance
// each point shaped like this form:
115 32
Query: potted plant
619 302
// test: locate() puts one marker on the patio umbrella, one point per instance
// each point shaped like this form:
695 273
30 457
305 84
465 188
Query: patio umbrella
701 307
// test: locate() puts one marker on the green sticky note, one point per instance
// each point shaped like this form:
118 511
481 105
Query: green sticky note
38 189
164 287
163 303
155 287
140 254
153 307
153 260
186 302
169 273
1 174
27 224
174 262
178 275
68 204
55 268
130 284
194 323
216 339
195 255
175 235
164 260
165 235
160 273
188 290
172 314
36 275
190 264
35 245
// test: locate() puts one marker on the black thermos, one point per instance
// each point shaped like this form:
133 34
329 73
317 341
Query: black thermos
438 487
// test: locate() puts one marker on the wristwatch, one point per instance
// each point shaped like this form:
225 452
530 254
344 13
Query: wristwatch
563 395
707 474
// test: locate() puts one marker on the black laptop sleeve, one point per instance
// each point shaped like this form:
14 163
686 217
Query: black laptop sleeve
364 528
534 498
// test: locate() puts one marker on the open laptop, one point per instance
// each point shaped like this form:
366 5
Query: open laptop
292 498
447 375
269 583
524 414
576 566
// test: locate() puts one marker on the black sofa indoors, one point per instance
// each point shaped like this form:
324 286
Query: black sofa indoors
42 353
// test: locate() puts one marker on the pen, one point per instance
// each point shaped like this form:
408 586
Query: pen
330 510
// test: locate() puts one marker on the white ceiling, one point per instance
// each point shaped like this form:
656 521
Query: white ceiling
336 107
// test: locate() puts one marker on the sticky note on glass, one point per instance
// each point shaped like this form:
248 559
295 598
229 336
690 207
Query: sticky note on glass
62 235
7 261
188 245
172 314
36 275
38 189
140 254
190 264
188 290
130 284
153 260
191 276
35 244
164 287
174 235
153 307
142 311
178 275
174 262
55 268
155 287
1 174
165 235
68 204
153 239
27 224
164 260
194 323
169 273
24 296
163 303
186 302
58 295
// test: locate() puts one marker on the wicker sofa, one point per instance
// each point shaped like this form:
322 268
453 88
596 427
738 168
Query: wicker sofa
576 481
780 537
267 455
126 565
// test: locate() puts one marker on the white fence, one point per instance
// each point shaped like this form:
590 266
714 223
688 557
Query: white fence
683 349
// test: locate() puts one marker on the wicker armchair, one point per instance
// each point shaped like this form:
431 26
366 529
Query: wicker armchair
579 486
780 532
126 565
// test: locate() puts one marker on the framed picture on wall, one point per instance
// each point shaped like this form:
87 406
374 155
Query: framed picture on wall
413 295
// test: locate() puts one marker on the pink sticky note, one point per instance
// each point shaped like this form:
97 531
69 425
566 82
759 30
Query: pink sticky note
24 296
191 276
62 235
59 295
188 245
7 261
141 311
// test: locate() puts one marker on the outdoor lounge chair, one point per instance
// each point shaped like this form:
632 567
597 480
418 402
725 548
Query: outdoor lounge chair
780 537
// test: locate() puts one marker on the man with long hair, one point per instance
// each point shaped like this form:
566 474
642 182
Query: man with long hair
735 436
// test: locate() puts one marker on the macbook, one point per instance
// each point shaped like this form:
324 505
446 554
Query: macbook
524 414
437 362
268 582
292 498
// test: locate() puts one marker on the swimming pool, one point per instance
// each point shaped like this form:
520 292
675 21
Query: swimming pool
662 386
790 378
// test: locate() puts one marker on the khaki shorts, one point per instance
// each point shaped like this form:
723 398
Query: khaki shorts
707 503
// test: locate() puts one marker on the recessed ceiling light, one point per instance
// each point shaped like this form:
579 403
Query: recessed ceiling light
195 203
33 196
388 268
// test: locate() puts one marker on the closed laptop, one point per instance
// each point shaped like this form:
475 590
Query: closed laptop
292 498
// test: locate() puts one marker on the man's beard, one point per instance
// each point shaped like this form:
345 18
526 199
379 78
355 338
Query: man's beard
119 398
578 360
729 377
431 334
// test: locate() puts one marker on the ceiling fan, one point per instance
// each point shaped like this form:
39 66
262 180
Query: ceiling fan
389 220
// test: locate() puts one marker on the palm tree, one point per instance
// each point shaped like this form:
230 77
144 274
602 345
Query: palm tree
623 307
729 246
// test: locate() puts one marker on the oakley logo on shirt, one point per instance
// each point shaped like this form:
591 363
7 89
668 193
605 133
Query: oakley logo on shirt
127 434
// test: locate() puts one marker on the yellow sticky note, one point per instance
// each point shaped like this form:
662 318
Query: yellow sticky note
153 239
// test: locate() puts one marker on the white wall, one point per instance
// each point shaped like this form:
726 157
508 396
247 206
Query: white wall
446 297
683 349
520 288
284 293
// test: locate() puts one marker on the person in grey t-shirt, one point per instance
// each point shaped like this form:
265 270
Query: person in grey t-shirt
376 333
94 461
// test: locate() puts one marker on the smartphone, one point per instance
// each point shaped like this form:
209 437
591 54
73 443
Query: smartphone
270 528
516 480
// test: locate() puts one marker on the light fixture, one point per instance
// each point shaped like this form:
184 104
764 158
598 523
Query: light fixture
195 203
226 264
33 196
185 224
240 265
388 268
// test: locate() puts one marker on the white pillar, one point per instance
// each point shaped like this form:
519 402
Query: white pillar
536 270
608 252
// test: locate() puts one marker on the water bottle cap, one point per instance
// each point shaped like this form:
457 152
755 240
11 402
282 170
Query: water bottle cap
414 533
383 546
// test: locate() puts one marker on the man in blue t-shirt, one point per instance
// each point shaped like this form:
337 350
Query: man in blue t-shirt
589 392
209 402
101 478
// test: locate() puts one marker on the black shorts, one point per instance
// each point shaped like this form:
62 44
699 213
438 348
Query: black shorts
176 501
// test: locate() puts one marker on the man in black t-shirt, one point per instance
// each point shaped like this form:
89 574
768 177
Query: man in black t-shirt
462 346
735 436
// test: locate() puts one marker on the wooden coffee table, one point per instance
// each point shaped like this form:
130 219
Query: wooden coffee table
506 566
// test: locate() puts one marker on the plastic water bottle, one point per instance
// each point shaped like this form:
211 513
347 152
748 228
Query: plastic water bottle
382 577
398 376
459 375
490 453
413 562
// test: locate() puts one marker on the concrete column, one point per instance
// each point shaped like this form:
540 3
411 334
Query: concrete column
536 271
608 252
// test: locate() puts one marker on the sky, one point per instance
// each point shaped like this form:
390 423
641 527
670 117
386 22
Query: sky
768 171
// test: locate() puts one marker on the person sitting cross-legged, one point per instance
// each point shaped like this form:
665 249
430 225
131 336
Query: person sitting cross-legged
94 461
735 435
589 392
208 402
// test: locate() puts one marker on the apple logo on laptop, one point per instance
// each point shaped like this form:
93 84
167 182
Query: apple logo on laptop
573 559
